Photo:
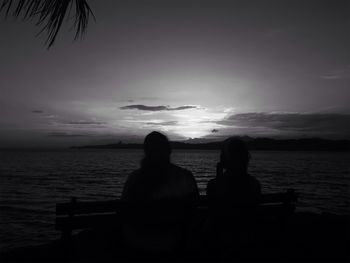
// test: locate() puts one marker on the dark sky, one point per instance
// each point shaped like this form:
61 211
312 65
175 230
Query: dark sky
193 69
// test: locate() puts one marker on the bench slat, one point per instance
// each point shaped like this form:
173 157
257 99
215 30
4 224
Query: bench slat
78 208
88 207
81 215
87 221
112 219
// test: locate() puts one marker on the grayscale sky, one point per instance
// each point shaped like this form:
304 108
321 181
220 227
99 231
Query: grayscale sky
192 69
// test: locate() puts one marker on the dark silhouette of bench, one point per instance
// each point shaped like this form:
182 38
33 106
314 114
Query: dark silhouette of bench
76 215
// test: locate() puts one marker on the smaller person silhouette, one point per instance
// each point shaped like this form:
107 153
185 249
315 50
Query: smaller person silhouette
163 196
233 196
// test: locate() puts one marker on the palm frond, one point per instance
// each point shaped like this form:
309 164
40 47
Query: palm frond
50 14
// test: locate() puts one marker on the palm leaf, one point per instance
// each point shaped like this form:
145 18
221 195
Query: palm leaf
50 14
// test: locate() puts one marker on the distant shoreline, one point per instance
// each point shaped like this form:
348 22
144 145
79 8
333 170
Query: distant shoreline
266 144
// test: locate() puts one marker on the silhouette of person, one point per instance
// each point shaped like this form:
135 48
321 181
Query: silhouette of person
233 196
163 196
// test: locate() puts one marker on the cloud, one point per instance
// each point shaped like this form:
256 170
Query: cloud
37 111
313 124
65 134
156 108
341 73
183 108
82 122
164 123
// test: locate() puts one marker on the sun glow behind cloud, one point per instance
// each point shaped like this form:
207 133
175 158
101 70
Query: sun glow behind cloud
194 122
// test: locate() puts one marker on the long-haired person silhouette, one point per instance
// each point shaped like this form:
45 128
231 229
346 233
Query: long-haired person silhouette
163 196
233 196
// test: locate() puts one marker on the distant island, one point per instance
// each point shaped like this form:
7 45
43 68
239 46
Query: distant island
267 144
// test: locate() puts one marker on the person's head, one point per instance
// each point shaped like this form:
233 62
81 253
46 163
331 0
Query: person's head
157 147
234 155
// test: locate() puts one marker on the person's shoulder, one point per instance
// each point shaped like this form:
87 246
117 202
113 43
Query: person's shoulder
215 188
180 170
183 173
130 182
255 182
212 181
211 184
253 179
134 174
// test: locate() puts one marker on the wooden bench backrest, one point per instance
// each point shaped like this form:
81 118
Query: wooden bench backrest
80 215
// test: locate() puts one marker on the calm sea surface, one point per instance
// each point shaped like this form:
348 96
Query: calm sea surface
32 182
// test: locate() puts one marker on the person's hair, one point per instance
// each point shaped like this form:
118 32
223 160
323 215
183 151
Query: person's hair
234 155
157 148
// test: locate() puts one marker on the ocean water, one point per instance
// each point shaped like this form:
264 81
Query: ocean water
32 182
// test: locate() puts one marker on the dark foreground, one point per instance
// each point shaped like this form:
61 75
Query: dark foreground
302 237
